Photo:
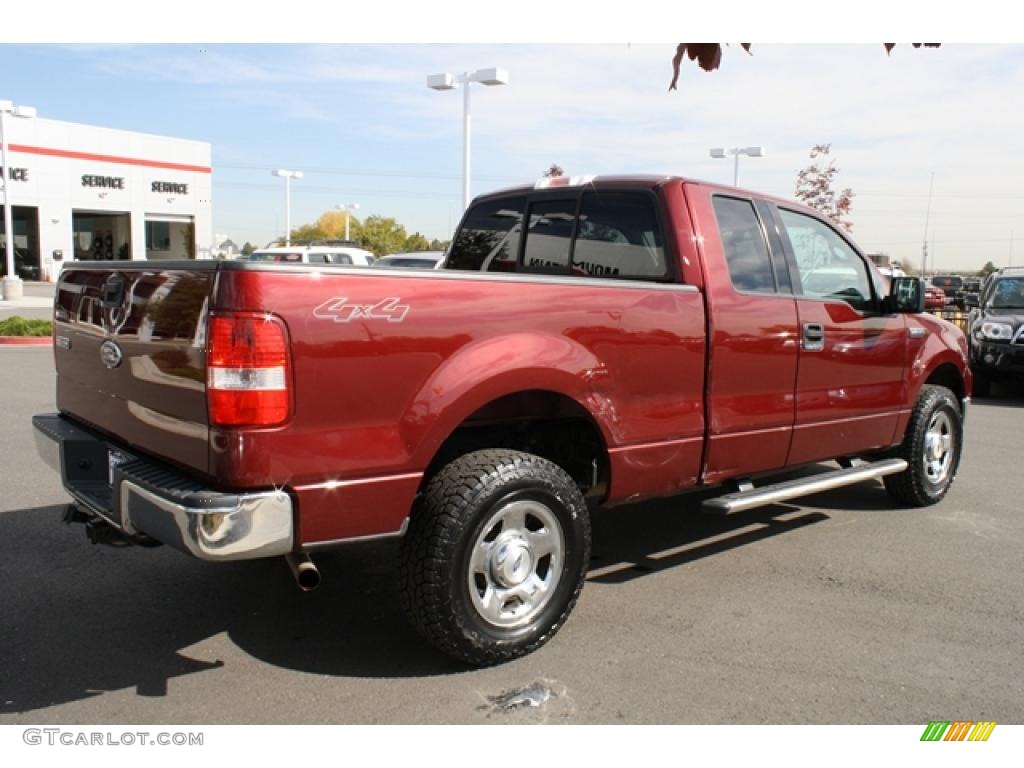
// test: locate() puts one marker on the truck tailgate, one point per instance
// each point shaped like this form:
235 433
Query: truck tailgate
130 354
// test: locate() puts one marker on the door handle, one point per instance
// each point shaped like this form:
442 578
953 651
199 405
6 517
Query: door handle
814 337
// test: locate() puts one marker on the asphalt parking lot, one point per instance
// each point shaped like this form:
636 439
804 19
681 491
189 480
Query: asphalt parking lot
838 608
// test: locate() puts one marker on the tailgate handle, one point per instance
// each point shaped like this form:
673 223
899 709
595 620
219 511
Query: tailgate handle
814 337
113 291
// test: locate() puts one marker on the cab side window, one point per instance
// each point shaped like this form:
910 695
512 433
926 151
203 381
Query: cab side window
829 268
618 236
746 252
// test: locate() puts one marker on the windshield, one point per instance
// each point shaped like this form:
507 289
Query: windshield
1008 293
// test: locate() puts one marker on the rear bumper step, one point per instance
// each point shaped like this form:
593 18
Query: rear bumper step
136 495
804 486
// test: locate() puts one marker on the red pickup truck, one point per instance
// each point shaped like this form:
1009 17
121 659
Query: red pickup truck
587 342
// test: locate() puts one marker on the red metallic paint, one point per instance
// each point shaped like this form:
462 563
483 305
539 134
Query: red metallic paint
374 397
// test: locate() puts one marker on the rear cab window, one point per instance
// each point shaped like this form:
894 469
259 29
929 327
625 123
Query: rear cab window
599 232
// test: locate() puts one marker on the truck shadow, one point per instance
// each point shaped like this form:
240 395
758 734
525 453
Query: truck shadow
89 620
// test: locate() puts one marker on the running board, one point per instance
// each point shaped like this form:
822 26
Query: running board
804 486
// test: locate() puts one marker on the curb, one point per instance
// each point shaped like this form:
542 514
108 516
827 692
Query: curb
27 341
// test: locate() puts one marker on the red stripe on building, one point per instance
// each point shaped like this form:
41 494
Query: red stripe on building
107 158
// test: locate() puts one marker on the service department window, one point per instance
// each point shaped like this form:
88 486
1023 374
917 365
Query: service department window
158 236
488 240
829 268
549 236
746 252
618 236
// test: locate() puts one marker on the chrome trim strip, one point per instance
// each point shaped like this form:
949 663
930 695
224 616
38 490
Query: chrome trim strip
791 489
331 485
659 444
847 420
316 546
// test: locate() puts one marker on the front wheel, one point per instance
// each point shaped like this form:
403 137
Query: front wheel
931 448
495 556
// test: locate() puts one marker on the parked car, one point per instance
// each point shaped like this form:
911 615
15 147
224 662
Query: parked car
953 286
411 260
25 265
314 254
996 330
640 337
934 298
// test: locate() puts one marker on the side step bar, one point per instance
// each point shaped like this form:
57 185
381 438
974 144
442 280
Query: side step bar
804 486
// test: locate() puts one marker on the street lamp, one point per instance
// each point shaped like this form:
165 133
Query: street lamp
287 176
346 207
13 288
446 81
719 153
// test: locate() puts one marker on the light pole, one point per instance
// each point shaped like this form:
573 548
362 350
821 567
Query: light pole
346 207
446 81
13 288
287 176
720 153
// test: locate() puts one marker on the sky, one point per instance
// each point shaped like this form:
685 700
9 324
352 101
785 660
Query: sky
361 124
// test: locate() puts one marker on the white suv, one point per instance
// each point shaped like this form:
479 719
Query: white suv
314 254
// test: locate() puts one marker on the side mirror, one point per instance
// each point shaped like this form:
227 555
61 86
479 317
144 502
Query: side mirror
971 300
906 295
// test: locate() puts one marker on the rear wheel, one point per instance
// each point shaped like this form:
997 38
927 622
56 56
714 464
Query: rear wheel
495 555
931 449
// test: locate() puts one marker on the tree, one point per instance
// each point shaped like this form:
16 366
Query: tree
248 248
554 170
439 245
814 187
416 242
987 270
382 235
709 56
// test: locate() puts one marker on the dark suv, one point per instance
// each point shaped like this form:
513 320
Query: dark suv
996 330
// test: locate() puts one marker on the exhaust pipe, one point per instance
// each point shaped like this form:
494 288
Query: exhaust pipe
306 574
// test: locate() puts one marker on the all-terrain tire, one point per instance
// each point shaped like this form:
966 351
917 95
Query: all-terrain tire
931 448
495 555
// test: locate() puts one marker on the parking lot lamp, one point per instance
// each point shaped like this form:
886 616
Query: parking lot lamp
346 207
287 176
12 285
446 81
720 153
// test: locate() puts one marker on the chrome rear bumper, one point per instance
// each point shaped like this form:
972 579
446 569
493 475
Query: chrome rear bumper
137 495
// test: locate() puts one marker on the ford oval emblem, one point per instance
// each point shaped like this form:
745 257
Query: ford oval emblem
111 354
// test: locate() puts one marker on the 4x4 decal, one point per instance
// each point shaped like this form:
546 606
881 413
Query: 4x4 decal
340 311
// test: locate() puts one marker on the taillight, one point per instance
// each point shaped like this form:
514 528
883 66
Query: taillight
248 373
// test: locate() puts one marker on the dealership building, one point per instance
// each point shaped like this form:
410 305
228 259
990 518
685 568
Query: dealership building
86 193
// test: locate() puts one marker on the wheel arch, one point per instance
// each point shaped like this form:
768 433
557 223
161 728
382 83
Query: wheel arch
545 422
